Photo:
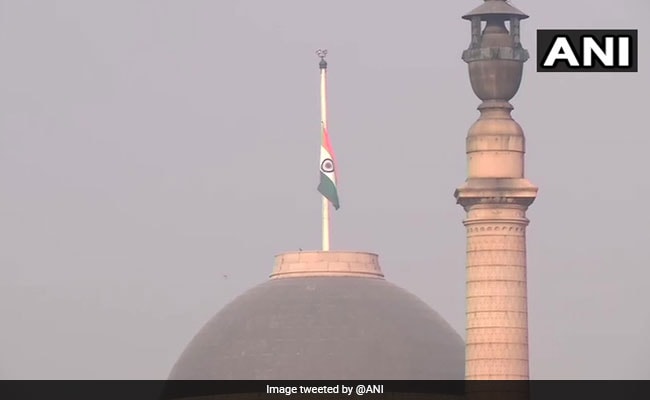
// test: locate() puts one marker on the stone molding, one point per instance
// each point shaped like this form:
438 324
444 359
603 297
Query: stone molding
326 263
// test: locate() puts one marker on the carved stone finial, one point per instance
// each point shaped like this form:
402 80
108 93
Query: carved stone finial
322 53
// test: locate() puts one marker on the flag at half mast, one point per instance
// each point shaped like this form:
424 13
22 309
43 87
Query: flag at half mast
327 186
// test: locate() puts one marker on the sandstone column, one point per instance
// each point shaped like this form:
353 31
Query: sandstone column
496 196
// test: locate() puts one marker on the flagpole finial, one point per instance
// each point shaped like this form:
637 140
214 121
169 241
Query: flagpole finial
322 53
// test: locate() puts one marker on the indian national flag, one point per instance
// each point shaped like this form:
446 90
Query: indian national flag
327 186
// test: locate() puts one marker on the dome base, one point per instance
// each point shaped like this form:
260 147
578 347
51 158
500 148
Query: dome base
326 263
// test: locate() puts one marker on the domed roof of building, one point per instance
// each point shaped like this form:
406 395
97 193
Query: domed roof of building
324 315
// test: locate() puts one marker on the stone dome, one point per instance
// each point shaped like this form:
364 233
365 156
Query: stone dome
324 315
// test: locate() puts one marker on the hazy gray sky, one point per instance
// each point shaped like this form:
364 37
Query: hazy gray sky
149 147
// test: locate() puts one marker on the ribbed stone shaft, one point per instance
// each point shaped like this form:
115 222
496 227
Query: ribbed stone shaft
497 320
496 196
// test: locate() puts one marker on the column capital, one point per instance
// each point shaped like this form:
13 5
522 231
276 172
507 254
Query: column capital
496 192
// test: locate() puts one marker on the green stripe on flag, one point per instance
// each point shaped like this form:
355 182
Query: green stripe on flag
328 189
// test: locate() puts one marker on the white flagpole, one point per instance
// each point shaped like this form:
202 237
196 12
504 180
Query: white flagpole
323 113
